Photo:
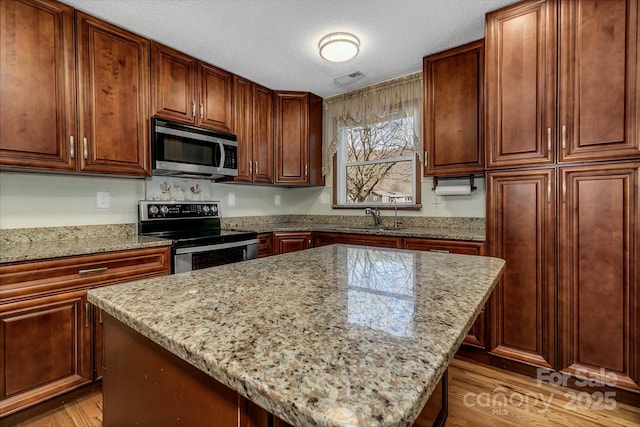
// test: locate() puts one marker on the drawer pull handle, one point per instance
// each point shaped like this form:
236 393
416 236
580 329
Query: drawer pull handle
443 251
72 148
93 270
86 315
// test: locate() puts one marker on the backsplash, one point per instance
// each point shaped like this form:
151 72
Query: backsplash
174 188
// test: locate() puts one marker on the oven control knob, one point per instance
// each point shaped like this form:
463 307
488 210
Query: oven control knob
206 209
164 209
214 209
153 209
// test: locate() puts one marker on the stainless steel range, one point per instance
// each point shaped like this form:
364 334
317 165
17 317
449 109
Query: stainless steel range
197 238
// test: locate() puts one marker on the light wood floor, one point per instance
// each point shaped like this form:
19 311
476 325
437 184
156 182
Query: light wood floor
479 395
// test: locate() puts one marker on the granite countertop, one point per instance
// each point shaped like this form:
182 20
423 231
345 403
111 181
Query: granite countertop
334 336
55 242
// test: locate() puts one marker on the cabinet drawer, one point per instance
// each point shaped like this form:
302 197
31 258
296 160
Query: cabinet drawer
265 244
448 246
322 239
35 278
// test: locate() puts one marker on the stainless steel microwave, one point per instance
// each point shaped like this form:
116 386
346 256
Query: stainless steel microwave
188 151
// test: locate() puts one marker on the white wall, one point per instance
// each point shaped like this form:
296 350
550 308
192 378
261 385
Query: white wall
49 200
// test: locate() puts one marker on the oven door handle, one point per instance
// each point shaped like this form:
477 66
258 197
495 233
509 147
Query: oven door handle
208 248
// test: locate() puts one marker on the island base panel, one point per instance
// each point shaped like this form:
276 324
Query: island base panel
146 385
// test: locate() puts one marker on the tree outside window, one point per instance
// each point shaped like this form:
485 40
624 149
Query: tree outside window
376 163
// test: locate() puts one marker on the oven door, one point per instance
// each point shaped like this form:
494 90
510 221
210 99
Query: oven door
198 257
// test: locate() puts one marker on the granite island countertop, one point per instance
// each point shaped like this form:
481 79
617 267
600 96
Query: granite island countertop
334 336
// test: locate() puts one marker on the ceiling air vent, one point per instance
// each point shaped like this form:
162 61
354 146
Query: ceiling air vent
347 79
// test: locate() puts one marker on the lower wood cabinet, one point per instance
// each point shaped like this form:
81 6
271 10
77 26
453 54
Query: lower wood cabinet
477 336
291 242
46 348
521 230
50 335
322 239
265 245
599 273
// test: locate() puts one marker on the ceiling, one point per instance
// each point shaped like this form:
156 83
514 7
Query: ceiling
275 42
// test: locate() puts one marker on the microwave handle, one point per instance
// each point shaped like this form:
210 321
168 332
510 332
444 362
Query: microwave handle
222 155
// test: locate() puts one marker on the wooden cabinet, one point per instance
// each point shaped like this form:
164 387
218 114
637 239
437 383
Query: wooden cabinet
477 335
520 73
599 262
454 111
50 336
322 239
265 245
253 106
298 138
592 56
291 242
521 229
37 92
89 117
113 99
188 91
46 348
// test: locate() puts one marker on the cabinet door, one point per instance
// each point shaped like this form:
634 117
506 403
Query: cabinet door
262 134
454 110
521 230
215 99
113 93
45 346
37 95
599 76
243 125
291 126
520 66
173 84
291 242
599 261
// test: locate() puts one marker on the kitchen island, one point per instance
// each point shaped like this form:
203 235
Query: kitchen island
333 336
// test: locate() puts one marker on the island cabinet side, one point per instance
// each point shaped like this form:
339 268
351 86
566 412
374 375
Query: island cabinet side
146 385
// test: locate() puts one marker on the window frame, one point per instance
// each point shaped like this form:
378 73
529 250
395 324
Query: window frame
340 182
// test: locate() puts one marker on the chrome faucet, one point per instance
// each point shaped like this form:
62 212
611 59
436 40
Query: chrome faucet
375 214
396 222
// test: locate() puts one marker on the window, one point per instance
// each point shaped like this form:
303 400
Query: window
376 163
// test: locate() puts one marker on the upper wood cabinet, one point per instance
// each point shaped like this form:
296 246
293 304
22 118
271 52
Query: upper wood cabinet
37 92
592 57
599 80
253 105
599 272
189 91
520 84
454 111
43 126
113 98
298 138
521 229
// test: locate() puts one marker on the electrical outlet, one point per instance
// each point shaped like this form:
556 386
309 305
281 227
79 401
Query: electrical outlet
232 199
277 200
103 200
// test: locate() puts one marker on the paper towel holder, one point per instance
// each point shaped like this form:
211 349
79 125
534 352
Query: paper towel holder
471 182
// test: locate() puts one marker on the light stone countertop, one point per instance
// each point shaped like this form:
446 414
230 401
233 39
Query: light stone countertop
333 336
30 244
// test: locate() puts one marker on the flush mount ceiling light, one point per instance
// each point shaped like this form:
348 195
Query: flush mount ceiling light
339 47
